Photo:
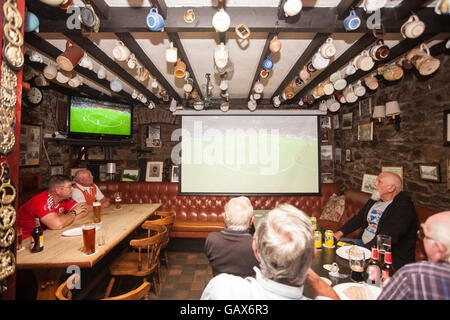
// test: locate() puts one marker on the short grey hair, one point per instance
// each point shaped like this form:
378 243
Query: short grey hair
285 243
238 212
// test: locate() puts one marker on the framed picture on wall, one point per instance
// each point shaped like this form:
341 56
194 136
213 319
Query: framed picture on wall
397 170
368 183
30 145
54 170
335 121
365 132
348 155
347 121
325 122
327 177
175 174
130 175
429 172
365 107
326 152
153 137
154 171
447 127
337 155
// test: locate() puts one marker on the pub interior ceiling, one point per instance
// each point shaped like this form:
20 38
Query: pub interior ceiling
203 53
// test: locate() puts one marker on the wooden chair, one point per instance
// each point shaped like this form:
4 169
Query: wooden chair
63 292
142 262
167 219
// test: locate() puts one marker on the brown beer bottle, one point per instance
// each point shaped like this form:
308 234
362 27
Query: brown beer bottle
387 270
37 237
373 269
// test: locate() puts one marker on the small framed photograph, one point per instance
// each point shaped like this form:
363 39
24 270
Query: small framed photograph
429 172
131 175
326 152
447 127
348 155
325 122
153 172
368 183
335 121
397 170
54 170
365 131
338 155
153 139
327 177
324 136
365 107
347 121
175 174
30 145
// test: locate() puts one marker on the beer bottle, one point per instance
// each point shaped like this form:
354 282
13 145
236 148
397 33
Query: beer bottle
387 270
373 269
37 237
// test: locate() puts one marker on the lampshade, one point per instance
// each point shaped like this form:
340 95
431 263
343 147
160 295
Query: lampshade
110 167
379 112
392 108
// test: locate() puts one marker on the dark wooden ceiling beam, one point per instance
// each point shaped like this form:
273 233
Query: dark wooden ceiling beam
310 19
88 46
312 48
344 7
101 8
134 47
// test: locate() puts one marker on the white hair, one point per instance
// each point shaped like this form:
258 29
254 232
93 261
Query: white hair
285 243
238 212
439 230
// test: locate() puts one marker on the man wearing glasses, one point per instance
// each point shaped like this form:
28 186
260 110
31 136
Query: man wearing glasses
54 207
425 280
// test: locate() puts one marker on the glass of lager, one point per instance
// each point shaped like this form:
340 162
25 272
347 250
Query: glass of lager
97 212
383 245
118 199
88 238
356 261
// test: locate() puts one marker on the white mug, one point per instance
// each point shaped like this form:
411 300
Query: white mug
276 101
134 94
323 105
413 28
223 84
75 81
188 85
221 55
364 61
154 84
171 54
50 71
86 62
36 57
328 88
132 61
258 87
101 73
359 89
328 50
120 52
61 77
350 69
319 62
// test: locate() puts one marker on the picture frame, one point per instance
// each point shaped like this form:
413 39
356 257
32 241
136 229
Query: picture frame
30 145
131 175
153 172
327 177
175 174
338 155
325 122
397 170
347 121
153 139
368 183
429 172
348 155
447 127
365 131
324 136
335 121
54 170
326 152
365 107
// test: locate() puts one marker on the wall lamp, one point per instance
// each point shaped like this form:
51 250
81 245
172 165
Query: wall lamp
391 110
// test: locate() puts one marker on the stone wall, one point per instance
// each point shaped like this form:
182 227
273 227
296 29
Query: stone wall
419 141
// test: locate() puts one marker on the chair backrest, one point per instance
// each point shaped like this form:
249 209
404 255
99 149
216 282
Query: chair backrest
152 245
165 213
166 221
63 292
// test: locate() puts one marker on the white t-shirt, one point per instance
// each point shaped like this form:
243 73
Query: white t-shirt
373 217
78 196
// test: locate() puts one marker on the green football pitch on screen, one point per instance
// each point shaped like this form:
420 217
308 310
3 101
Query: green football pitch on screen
102 121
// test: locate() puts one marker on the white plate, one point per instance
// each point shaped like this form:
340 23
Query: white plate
372 290
75 232
343 252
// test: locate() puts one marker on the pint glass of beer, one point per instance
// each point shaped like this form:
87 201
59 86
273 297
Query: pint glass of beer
89 238
97 212
356 261
118 199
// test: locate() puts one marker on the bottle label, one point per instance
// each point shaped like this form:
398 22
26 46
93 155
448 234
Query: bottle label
41 241
388 257
375 253
374 273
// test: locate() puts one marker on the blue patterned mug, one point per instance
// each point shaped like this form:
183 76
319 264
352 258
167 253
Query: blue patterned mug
352 22
268 64
155 22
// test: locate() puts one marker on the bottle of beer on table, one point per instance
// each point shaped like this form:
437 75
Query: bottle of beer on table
373 269
387 270
37 237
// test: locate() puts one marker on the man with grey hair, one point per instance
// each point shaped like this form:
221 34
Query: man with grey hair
284 245
230 251
389 211
425 280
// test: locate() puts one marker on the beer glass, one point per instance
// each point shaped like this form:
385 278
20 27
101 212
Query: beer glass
89 238
118 199
383 245
356 262
97 212
101 234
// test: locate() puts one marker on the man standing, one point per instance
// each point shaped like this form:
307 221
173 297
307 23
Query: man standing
230 251
53 207
389 211
85 190
425 280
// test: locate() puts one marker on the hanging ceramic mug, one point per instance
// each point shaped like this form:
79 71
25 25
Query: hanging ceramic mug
318 91
289 92
328 88
132 61
371 82
264 73
121 52
310 67
328 49
188 86
275 45
50 71
115 85
350 69
75 81
298 81
423 61
276 101
352 22
350 95
180 69
258 87
333 105
412 28
319 62
155 21
221 21
101 73
70 57
380 51
304 74
359 89
63 76
86 62
391 72
143 74
323 106
292 7
171 54
31 22
268 64
341 98
221 55
364 61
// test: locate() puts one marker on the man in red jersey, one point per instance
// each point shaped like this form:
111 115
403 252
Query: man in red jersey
53 207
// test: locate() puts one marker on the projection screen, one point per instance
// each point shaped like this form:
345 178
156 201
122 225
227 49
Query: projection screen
250 154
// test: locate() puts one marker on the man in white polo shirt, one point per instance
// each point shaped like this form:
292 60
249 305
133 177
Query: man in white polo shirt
85 190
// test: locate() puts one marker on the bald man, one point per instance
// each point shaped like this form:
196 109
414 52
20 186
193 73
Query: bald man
389 211
425 280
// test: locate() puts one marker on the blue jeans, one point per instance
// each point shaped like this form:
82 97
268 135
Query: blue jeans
358 242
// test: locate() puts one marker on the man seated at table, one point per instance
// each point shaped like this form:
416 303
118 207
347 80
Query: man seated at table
85 190
230 251
389 211
53 207
284 245
425 280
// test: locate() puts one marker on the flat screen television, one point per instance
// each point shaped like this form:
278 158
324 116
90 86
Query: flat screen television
89 118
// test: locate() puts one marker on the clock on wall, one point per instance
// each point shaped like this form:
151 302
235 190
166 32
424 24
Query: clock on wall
34 96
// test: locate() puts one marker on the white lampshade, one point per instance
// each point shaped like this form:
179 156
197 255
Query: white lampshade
392 108
110 167
379 112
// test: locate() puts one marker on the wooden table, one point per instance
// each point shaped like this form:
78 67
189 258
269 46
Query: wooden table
61 252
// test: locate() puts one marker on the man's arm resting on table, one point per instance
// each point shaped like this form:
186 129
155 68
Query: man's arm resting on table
55 222
319 287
